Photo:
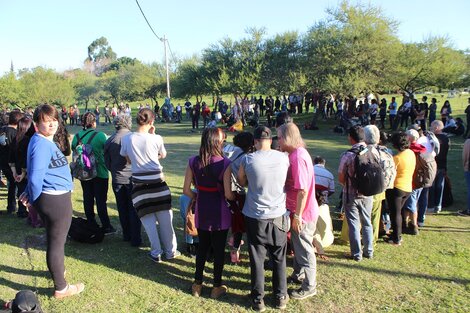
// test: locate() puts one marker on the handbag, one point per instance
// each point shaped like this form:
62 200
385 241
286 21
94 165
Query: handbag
190 225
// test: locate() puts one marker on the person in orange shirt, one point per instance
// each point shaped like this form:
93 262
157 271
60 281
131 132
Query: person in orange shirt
405 162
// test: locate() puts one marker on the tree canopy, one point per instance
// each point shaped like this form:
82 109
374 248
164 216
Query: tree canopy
354 50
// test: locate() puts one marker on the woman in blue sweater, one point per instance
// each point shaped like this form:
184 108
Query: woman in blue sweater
49 191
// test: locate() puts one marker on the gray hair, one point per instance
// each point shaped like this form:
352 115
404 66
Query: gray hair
371 135
122 121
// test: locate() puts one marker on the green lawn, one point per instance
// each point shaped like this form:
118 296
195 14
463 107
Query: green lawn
429 273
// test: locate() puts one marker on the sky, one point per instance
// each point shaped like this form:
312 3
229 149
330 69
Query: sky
56 33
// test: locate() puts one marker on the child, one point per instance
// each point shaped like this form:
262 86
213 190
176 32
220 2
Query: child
244 144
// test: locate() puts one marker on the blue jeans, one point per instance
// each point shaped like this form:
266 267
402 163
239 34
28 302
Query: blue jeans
130 222
467 179
184 203
412 202
358 212
423 205
436 191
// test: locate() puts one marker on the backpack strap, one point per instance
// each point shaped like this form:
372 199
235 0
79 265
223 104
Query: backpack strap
80 138
91 138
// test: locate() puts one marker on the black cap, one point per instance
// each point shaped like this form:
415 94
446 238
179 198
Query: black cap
262 132
26 301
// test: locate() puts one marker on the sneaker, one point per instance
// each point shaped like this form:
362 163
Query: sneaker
293 279
109 230
156 259
258 305
420 224
392 242
218 292
70 290
464 213
281 303
196 290
301 294
174 256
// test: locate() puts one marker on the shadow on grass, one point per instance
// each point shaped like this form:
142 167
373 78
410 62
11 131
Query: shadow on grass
444 229
394 273
177 274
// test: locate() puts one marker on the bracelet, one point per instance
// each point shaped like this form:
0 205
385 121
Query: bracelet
296 216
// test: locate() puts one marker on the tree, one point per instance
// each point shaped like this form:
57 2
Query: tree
430 63
42 85
283 57
131 82
11 91
85 85
100 55
189 79
352 51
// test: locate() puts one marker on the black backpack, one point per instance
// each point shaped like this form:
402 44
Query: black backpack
82 230
368 176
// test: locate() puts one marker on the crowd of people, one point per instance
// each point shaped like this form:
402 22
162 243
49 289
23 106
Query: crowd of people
267 187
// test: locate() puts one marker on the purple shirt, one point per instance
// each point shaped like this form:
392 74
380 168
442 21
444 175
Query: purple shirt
212 211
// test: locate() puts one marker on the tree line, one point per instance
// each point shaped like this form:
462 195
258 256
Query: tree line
354 50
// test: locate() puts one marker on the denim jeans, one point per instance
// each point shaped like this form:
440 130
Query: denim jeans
184 203
423 205
358 212
130 222
411 203
467 179
436 191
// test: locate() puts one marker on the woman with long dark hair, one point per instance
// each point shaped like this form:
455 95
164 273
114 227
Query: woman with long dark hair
95 189
18 156
210 173
49 191
446 110
150 193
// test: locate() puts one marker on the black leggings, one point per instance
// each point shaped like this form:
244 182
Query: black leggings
396 198
56 213
216 240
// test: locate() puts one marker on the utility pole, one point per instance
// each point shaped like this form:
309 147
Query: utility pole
167 68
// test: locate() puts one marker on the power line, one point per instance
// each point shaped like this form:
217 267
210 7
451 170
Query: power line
171 52
143 14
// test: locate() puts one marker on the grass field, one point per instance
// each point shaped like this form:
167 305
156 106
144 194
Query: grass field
429 273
